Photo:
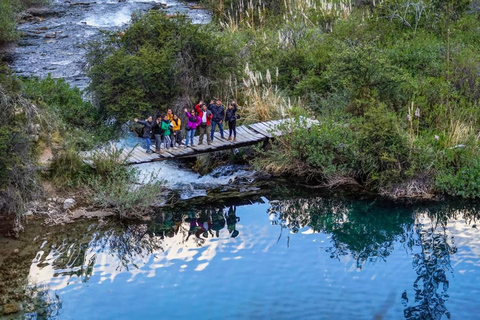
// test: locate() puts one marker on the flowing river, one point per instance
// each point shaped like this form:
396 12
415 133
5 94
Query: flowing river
56 44
276 252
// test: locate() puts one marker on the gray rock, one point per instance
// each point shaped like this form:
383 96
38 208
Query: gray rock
68 204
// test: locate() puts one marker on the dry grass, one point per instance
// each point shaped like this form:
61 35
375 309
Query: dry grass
460 132
254 14
262 99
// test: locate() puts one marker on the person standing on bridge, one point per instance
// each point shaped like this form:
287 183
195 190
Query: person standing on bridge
193 122
231 118
158 134
170 118
148 131
166 125
206 124
218 112
177 131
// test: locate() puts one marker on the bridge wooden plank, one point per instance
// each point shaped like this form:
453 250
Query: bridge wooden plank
246 135
274 127
258 136
260 129
254 135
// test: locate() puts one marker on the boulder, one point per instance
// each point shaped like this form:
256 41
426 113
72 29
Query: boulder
41 12
10 308
68 204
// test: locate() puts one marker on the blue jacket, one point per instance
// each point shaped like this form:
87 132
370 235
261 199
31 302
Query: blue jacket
218 112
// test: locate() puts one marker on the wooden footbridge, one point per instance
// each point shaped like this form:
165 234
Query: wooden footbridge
246 135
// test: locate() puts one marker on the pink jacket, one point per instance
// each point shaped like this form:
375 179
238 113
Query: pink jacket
193 124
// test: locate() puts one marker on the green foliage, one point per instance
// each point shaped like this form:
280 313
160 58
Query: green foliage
156 59
326 150
459 173
107 182
117 192
384 147
112 184
7 22
18 178
68 170
60 99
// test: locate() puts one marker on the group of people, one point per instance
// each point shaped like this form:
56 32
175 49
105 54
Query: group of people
167 129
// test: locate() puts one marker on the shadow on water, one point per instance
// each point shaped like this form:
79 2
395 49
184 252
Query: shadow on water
368 231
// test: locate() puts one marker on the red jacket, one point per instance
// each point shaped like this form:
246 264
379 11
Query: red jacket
200 114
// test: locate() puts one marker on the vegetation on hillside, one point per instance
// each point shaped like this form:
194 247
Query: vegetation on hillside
393 84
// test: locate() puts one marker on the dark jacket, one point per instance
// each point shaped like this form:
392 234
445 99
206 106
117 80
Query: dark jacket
157 128
147 133
218 112
230 114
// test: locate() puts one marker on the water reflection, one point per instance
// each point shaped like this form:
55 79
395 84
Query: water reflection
431 265
364 230
366 235
179 240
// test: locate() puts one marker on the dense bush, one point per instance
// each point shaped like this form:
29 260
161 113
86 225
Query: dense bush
7 22
63 101
156 60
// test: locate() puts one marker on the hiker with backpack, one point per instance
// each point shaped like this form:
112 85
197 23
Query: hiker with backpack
147 132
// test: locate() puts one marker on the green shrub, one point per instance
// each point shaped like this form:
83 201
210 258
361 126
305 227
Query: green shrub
19 181
322 151
459 172
7 23
383 146
62 101
157 59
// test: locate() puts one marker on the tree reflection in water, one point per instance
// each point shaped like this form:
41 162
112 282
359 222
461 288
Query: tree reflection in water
367 236
365 230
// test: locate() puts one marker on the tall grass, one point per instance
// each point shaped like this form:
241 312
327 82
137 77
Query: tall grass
256 14
262 99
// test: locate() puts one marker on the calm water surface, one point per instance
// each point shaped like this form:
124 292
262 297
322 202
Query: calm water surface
301 258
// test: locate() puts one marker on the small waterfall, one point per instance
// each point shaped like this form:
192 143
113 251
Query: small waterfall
189 184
